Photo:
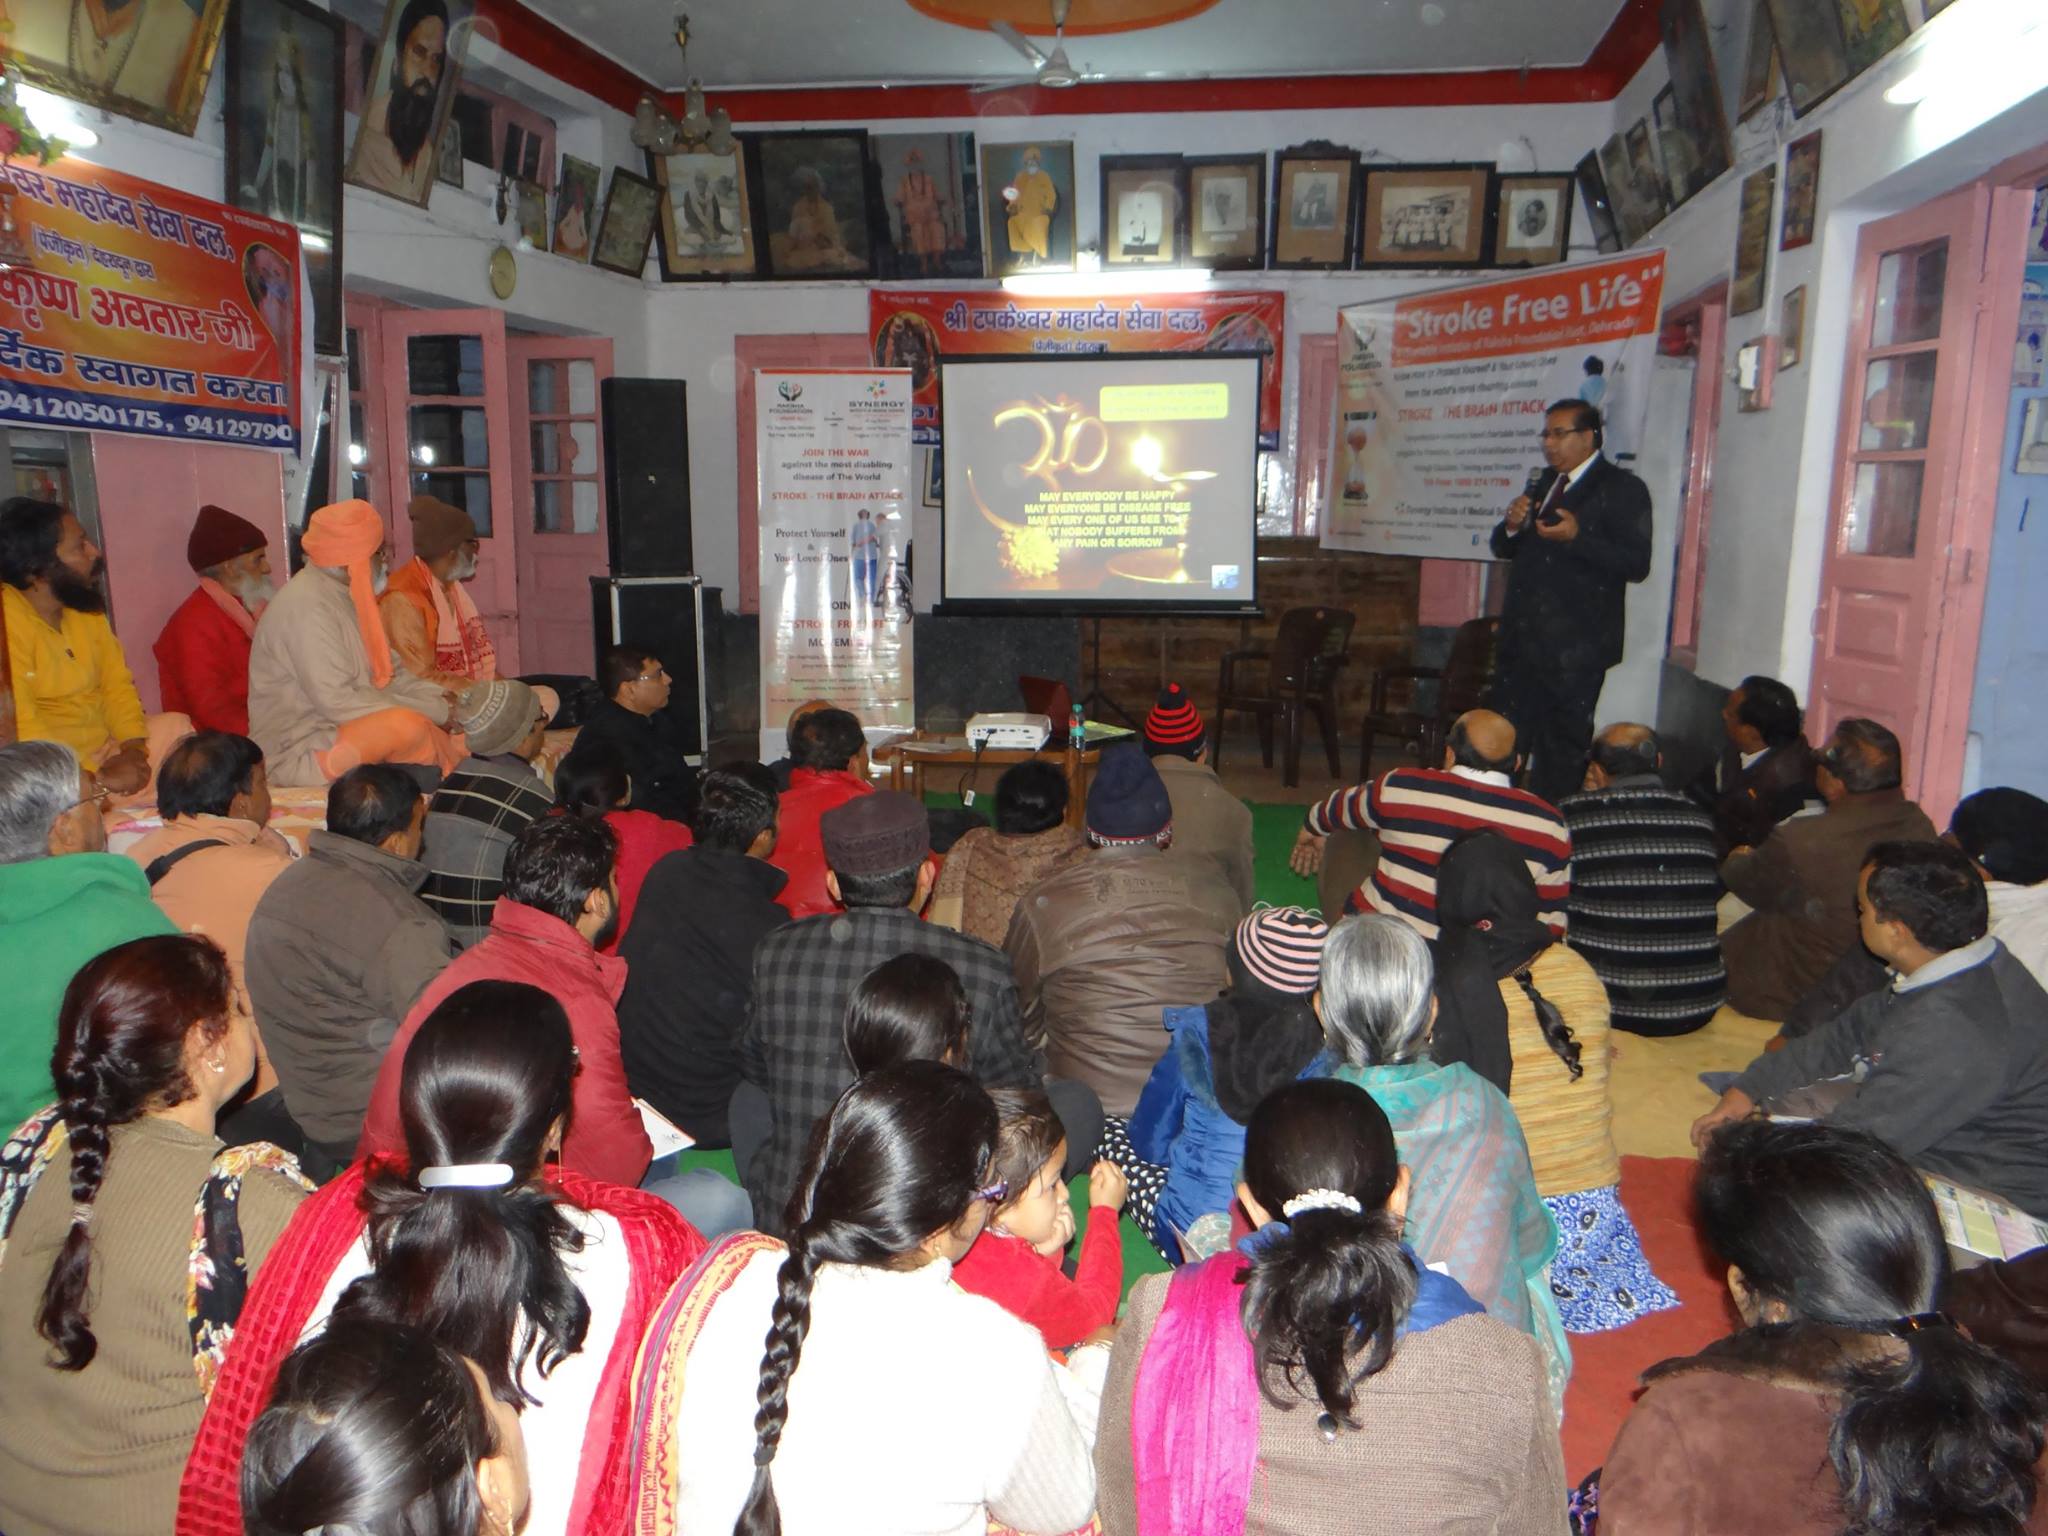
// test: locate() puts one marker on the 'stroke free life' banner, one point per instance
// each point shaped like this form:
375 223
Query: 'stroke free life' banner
1440 397
835 482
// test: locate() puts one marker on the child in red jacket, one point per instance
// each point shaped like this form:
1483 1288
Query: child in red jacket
1016 1260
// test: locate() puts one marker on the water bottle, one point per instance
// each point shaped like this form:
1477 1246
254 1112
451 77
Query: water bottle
1077 732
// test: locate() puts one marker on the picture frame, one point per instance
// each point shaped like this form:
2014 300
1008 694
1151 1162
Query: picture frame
398 160
934 494
1870 30
811 214
1762 78
285 63
448 157
155 68
575 209
1753 242
2031 457
1646 172
1532 219
1696 93
1599 207
705 222
1027 200
1316 195
1792 328
632 208
1802 191
1674 148
1227 212
530 200
1811 52
927 189
1630 215
1427 216
1144 211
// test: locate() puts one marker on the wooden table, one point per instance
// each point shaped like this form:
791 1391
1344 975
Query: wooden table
910 758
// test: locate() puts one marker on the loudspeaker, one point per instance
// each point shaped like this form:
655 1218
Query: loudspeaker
647 477
668 615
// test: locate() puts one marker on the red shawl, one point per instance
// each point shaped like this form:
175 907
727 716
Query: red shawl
659 1243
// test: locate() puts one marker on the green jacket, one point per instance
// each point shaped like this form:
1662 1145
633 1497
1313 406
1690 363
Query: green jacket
56 914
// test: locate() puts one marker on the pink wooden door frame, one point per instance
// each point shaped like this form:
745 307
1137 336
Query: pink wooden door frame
1710 305
366 315
554 567
1315 393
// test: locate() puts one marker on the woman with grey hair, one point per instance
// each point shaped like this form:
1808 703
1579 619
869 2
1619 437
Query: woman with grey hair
1473 1207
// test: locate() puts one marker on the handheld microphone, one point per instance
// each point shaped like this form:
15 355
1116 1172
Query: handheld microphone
1538 489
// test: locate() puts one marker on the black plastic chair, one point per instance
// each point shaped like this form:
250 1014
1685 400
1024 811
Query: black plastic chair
1301 668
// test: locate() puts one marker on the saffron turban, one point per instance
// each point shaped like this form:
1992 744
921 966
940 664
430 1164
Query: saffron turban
347 534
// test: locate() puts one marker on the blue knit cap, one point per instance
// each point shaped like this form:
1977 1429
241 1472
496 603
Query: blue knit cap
1127 799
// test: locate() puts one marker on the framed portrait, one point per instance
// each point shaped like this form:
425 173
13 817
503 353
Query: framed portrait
1646 174
631 209
1027 197
1599 209
409 94
1870 30
1426 216
1227 212
1532 220
707 215
1792 328
811 218
1315 207
1629 214
929 195
1802 191
147 59
1753 242
2031 458
284 67
1144 207
1761 79
1696 93
448 158
533 215
1674 149
575 208
1810 51
934 477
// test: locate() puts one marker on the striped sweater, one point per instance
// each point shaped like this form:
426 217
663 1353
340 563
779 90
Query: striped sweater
1417 812
1644 885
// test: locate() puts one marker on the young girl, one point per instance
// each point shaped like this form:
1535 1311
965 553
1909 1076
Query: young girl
1017 1261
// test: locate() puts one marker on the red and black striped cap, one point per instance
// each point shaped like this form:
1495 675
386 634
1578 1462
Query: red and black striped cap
1174 721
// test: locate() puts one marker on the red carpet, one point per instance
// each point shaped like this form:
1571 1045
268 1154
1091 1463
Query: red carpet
1657 1192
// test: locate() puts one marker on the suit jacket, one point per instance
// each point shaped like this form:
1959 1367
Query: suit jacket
663 781
1565 601
1748 802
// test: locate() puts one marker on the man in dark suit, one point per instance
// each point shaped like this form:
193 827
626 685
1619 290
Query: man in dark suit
634 719
1577 538
1765 773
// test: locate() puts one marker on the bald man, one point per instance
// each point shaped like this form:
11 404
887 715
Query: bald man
1416 812
782 765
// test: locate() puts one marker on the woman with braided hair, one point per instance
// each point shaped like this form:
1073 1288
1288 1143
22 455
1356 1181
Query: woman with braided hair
887 1399
128 1236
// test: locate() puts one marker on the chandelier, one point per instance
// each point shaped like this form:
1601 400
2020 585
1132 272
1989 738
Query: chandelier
659 131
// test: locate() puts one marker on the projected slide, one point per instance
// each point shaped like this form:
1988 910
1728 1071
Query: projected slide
1100 481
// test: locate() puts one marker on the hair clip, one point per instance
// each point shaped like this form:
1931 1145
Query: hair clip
1321 1200
995 1193
1904 1327
81 1215
465 1176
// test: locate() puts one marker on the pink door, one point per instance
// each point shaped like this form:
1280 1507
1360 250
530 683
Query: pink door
1890 583
753 354
558 465
447 424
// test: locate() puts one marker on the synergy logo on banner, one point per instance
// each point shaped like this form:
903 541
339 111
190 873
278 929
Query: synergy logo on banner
833 454
1440 397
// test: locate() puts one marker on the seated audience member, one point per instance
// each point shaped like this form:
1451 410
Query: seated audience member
691 962
1211 826
592 782
1185 1139
489 798
207 867
1017 1261
1765 773
1512 999
202 655
545 1278
633 721
379 1429
990 868
2003 1303
1102 944
793 1049
895 1190
63 899
912 1008
105 1364
1801 880
824 746
431 620
1950 1061
324 694
1473 1205
1645 881
1322 1367
69 674
783 766
1415 812
1847 1401
339 948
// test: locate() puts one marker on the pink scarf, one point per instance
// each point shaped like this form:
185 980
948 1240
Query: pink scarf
1195 1407
461 643
230 604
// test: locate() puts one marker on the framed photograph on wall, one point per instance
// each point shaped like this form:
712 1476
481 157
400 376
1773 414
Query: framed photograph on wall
1646 174
1753 242
1674 148
147 59
1630 215
533 215
707 215
575 208
1802 191
1599 208
1027 199
811 219
448 157
283 136
631 210
409 93
1315 207
1810 51
1870 30
1144 211
1696 89
1227 212
1792 328
1761 77
1426 216
1532 220
930 196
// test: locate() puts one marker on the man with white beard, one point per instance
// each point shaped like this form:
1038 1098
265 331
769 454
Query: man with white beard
433 624
202 656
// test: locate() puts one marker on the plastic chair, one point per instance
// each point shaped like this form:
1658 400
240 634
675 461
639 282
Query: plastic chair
1461 682
1301 667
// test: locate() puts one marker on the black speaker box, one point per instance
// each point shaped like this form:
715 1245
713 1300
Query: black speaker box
647 477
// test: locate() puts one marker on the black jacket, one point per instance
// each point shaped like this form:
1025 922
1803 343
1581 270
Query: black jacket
663 780
690 969
1748 802
1565 601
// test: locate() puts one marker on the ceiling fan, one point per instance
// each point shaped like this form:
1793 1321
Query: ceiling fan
1052 70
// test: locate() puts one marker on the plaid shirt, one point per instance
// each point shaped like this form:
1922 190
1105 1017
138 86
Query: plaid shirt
472 821
794 1044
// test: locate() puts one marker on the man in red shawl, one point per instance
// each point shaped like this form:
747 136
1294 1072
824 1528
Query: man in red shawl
202 656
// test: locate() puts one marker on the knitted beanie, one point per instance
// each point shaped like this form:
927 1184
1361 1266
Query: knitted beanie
496 716
219 536
1283 947
1174 725
876 834
2006 831
1127 799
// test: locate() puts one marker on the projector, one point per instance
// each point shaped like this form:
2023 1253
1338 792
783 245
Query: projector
1009 733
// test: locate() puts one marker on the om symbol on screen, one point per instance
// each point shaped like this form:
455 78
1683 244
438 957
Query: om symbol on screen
1068 439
